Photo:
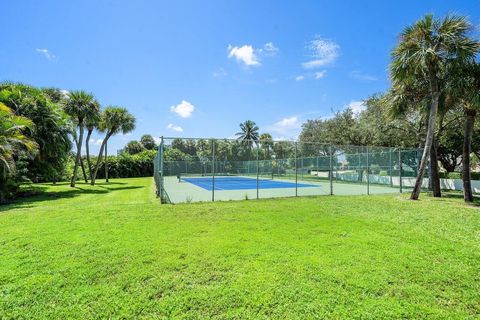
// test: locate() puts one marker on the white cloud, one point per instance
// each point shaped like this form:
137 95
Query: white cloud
184 109
249 55
320 74
175 128
219 73
362 76
322 51
356 106
97 142
46 53
269 49
244 54
287 127
299 78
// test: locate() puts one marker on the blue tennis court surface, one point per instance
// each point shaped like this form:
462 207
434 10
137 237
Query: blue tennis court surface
243 183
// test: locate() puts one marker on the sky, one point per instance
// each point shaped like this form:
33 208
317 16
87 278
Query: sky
200 68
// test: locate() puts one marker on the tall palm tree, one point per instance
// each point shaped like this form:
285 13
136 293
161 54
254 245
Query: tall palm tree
425 50
248 135
12 141
79 105
466 88
113 120
91 123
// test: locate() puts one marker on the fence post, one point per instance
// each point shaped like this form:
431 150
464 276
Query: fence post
258 170
390 165
160 162
400 169
106 162
368 174
296 171
331 170
213 170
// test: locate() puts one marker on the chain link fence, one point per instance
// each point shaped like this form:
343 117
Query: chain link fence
192 170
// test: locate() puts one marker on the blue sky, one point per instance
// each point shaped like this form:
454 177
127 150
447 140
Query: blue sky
199 68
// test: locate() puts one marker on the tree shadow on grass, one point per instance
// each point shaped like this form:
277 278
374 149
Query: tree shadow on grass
41 193
459 196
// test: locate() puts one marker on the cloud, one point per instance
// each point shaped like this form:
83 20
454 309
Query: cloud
96 142
299 78
184 109
322 51
269 49
249 55
287 127
219 73
244 54
362 76
175 128
320 74
47 54
356 106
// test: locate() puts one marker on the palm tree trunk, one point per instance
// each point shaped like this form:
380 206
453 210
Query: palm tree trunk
106 162
100 155
429 139
78 157
82 165
87 148
467 150
435 177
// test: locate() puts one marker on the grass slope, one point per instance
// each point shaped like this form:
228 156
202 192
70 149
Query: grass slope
113 252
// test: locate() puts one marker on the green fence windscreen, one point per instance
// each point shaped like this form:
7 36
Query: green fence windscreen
191 170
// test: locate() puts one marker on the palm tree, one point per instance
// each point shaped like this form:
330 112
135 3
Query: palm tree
12 141
79 106
248 134
113 120
91 122
267 144
425 50
466 87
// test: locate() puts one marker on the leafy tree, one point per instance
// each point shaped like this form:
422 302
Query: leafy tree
134 147
114 120
51 129
148 142
79 105
13 142
172 154
283 149
55 95
424 51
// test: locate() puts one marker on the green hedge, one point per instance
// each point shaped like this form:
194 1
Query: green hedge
121 166
129 166
458 175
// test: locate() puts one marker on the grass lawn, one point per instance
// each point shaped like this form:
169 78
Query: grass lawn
113 251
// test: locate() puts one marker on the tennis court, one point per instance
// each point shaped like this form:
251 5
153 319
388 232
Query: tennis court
240 183
191 170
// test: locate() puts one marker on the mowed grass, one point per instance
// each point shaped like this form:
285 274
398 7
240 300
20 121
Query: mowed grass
113 251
